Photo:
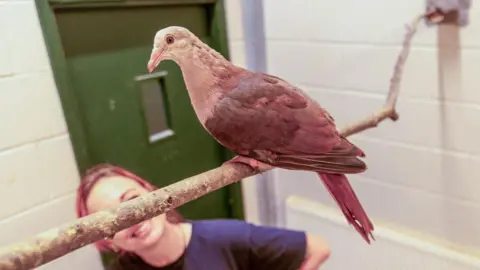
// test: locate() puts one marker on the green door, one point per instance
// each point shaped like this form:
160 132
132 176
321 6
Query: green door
123 115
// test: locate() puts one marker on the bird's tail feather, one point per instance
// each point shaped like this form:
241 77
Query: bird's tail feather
342 192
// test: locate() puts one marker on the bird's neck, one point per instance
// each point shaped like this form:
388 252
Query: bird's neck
206 74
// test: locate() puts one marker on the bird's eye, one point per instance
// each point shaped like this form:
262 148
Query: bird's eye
169 39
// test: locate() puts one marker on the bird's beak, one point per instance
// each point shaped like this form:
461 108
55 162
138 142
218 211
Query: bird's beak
155 59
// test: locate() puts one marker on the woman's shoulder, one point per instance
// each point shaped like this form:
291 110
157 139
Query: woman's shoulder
264 247
221 228
220 223
232 230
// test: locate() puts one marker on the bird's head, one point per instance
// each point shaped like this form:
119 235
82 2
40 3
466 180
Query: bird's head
170 43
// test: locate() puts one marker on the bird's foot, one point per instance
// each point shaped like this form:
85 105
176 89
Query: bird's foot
255 164
245 160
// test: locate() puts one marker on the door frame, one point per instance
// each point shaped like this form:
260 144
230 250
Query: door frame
70 106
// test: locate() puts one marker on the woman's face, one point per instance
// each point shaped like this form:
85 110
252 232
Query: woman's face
112 190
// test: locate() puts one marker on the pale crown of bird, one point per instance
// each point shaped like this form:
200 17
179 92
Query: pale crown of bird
171 43
179 44
177 32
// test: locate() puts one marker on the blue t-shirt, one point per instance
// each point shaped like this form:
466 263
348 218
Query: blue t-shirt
236 245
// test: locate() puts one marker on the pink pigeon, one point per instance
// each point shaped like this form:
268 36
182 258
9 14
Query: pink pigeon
265 120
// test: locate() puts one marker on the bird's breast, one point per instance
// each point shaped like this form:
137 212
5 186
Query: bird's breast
203 103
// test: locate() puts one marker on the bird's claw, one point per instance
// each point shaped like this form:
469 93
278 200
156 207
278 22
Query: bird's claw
245 160
256 165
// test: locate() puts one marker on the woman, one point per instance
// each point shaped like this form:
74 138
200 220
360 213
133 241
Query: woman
169 242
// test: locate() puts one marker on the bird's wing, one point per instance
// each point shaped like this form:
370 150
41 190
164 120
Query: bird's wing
266 118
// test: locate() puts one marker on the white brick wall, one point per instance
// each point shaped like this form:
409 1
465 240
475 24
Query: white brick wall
391 250
423 175
39 174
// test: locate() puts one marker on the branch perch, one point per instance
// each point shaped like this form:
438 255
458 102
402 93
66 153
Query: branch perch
57 242
389 110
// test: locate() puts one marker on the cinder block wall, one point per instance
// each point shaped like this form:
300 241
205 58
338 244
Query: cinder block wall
424 170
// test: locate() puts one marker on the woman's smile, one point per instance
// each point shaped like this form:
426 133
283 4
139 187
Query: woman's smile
142 231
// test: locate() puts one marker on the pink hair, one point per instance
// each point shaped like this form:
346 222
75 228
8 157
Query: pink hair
92 176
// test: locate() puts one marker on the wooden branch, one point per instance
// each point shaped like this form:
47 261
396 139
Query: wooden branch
388 110
60 241
55 243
